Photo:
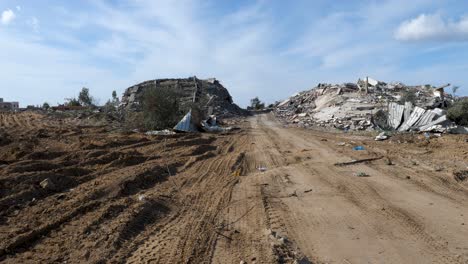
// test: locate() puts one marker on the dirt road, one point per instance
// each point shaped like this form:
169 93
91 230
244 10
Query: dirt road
264 194
399 214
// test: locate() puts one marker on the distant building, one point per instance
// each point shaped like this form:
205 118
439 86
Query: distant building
8 106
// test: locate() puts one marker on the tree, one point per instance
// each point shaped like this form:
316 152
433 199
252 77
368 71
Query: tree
46 106
85 98
161 108
256 104
455 89
458 112
115 99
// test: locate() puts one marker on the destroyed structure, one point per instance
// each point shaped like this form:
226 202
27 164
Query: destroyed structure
209 95
8 106
370 104
203 99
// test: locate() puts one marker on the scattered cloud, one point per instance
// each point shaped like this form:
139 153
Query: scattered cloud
433 27
7 16
18 8
251 46
34 22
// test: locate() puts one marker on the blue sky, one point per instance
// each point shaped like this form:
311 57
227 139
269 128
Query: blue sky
271 49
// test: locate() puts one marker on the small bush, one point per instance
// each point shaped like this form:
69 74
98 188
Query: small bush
161 108
256 104
458 112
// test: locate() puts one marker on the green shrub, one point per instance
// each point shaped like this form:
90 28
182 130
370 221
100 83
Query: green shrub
458 112
161 108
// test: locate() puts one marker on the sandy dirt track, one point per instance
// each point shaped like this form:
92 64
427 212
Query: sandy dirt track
131 198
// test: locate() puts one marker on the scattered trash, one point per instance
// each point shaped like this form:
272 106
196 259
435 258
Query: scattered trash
460 176
262 169
164 132
361 174
47 184
141 197
388 161
237 173
359 148
341 144
381 136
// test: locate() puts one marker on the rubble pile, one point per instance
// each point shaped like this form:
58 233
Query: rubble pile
367 105
209 95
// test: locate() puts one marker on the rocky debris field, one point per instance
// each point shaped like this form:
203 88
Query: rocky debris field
369 105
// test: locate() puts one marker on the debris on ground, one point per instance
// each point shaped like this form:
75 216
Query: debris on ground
165 132
47 184
460 176
356 161
361 174
359 148
381 136
211 125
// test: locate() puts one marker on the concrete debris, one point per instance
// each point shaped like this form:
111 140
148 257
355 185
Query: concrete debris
164 132
381 136
369 104
47 184
361 174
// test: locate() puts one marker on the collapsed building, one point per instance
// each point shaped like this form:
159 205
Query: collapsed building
209 98
8 106
370 104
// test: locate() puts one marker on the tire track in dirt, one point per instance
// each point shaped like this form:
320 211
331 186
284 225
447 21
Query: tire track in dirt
361 197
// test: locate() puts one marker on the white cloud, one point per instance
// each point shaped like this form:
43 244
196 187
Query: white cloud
433 27
18 8
34 22
7 16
